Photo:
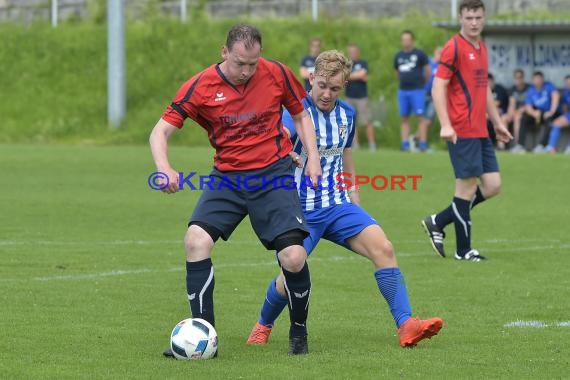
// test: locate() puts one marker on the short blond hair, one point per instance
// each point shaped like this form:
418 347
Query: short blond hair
332 62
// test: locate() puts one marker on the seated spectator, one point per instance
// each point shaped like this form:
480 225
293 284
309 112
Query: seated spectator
541 107
560 122
517 99
501 98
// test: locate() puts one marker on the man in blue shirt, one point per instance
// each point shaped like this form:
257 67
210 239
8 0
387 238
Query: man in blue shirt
541 107
308 61
413 71
560 122
357 95
332 210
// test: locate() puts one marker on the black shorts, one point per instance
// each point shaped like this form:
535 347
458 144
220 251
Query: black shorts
268 195
472 157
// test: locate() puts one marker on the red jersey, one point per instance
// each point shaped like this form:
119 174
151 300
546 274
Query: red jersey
243 122
467 68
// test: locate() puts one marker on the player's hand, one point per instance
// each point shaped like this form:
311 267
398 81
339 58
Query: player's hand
173 178
503 134
314 170
448 134
296 159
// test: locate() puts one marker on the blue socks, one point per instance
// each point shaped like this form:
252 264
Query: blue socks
405 146
462 222
390 283
272 306
423 145
392 286
554 136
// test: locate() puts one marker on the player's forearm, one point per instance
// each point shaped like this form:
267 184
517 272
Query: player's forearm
306 132
439 95
427 73
512 107
492 109
359 75
304 72
555 102
158 141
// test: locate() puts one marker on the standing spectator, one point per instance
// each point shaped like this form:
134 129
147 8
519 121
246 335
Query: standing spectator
357 95
308 61
429 109
560 122
541 107
413 71
517 99
501 99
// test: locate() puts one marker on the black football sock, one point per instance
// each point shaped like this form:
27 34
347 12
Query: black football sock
200 286
477 198
298 289
462 222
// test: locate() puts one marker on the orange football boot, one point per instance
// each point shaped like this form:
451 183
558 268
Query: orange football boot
259 334
414 330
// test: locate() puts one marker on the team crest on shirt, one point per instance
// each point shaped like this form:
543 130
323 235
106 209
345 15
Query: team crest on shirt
343 131
219 97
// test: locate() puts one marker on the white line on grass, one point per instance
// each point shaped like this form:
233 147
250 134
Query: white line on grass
536 324
115 273
252 242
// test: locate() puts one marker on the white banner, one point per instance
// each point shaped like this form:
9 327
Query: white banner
549 54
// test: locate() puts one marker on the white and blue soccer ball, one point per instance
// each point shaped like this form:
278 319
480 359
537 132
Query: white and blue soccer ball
193 338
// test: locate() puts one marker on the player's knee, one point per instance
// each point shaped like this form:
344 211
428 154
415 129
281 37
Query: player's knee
492 189
386 249
383 254
290 251
293 258
198 243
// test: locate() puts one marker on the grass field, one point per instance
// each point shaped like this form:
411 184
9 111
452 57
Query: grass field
92 280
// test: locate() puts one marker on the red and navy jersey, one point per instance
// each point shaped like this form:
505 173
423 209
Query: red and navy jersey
243 122
467 69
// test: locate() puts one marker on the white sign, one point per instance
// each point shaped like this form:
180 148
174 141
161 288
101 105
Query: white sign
547 53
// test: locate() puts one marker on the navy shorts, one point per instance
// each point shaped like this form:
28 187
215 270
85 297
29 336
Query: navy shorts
336 223
268 195
472 157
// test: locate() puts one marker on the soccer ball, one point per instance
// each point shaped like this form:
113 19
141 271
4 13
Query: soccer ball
193 338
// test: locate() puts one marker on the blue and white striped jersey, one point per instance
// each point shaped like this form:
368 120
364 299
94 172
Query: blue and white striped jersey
335 131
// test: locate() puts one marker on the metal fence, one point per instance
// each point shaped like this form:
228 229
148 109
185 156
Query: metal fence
29 11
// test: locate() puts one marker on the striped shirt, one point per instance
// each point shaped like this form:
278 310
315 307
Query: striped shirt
335 132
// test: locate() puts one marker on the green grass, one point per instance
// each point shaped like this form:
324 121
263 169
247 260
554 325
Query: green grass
92 280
